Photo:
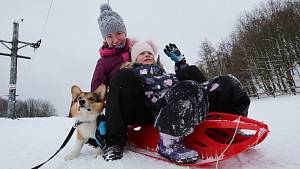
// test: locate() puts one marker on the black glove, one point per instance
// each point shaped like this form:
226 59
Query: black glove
174 53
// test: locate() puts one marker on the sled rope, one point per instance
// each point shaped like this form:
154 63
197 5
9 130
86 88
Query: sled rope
233 137
260 134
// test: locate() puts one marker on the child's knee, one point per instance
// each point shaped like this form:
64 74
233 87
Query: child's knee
124 76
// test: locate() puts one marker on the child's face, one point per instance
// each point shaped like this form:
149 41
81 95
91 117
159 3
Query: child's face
116 39
146 58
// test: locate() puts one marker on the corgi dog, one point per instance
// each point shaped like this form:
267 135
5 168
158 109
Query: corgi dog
85 108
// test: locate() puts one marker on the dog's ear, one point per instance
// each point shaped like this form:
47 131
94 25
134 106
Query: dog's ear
75 90
101 91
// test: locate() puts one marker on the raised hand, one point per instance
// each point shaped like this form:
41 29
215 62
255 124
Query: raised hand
174 53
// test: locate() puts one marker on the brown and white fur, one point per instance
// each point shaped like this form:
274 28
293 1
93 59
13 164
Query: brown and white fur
86 107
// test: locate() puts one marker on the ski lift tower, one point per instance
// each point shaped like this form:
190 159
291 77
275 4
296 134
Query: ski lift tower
11 109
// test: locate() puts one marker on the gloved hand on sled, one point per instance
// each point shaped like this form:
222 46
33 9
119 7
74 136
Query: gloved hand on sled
101 132
174 53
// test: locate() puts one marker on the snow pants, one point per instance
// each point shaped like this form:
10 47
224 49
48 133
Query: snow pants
186 105
125 105
226 94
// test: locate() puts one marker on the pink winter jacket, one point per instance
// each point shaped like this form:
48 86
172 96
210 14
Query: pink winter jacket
109 64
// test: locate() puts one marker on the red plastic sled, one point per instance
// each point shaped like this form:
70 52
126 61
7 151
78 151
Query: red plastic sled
218 138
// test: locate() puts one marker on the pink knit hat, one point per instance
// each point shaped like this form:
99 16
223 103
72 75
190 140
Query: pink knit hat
140 47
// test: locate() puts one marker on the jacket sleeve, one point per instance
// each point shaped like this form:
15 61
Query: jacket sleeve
99 75
190 73
180 65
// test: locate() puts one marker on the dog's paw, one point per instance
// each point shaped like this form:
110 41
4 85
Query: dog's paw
98 152
71 156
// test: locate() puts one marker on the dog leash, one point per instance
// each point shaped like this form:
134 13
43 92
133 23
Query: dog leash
77 123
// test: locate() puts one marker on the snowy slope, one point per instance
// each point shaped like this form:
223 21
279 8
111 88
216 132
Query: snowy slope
25 143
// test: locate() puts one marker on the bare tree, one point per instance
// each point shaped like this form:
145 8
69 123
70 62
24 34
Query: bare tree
29 108
263 51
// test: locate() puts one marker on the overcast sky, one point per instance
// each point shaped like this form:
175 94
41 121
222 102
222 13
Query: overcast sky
69 49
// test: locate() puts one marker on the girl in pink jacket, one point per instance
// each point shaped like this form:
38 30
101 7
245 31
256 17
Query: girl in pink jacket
115 48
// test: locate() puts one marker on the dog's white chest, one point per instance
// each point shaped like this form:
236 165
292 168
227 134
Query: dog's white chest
87 130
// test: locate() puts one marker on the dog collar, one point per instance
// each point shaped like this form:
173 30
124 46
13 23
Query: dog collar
77 122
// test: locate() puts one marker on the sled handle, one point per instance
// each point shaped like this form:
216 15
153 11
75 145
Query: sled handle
231 117
228 124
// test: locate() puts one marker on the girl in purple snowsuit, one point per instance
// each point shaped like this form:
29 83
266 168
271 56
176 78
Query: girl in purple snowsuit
178 105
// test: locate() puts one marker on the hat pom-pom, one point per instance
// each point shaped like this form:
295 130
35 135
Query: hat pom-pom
105 7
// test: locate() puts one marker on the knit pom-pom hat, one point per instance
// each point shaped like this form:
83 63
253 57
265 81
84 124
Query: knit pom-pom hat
140 47
110 21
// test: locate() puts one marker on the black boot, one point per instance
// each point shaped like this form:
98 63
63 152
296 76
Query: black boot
113 152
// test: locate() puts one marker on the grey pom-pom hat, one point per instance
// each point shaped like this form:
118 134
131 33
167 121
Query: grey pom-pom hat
110 21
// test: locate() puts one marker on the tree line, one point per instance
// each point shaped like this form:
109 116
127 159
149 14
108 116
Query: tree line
29 108
263 52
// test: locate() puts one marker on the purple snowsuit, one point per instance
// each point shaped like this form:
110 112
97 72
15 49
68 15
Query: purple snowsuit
179 105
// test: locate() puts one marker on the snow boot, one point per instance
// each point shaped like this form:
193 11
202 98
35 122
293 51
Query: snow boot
174 149
113 152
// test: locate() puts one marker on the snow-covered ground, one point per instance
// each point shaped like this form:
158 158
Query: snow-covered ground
24 143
